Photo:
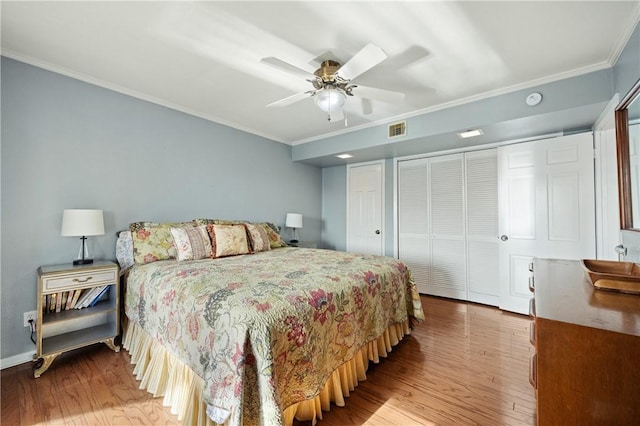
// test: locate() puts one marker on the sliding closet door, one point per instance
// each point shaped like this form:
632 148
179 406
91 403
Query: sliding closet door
482 226
447 213
414 245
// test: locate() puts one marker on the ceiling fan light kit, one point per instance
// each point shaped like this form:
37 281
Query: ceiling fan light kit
330 98
332 82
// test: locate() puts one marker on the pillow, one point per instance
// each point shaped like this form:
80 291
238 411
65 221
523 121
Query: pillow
228 240
217 222
274 235
153 241
124 250
191 243
258 238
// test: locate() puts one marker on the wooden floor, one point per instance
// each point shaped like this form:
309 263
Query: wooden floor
467 364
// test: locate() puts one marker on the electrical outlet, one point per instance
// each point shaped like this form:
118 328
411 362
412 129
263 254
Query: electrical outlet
31 315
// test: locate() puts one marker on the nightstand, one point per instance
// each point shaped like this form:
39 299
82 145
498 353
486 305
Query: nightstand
304 244
60 326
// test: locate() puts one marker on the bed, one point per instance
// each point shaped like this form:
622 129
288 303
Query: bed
264 336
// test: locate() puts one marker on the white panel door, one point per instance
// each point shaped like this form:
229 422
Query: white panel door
607 210
547 209
482 226
364 203
447 214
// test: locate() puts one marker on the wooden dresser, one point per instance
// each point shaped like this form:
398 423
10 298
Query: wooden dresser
586 368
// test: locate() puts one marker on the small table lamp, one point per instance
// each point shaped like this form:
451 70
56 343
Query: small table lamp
294 220
82 223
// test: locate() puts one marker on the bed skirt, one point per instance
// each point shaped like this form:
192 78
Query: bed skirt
164 375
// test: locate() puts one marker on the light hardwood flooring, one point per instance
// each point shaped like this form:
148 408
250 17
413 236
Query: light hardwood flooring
467 364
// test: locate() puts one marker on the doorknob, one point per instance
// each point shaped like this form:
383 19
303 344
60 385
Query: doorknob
504 237
377 232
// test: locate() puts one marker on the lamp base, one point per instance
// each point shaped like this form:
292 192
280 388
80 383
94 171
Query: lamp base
294 241
82 261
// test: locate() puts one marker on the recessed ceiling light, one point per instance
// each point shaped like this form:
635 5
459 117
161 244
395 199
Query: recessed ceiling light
471 133
344 156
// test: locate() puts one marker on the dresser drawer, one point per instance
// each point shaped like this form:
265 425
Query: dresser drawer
83 279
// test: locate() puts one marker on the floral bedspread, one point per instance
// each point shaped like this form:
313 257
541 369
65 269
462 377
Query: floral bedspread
266 330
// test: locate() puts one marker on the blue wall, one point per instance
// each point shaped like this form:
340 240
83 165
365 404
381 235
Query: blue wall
69 144
334 207
627 70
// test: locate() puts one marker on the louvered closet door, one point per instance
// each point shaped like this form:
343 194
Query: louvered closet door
413 226
482 226
447 207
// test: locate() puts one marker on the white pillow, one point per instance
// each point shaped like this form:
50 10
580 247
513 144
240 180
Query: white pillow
124 250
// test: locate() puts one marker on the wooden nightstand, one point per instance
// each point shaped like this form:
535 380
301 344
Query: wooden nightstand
304 244
61 328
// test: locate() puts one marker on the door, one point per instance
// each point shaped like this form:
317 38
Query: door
448 224
482 226
364 208
547 209
447 215
414 238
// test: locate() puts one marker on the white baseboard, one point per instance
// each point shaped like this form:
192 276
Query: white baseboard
16 360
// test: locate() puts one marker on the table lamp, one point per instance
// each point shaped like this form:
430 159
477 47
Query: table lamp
294 220
82 223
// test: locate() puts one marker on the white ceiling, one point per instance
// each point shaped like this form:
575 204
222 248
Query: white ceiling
204 58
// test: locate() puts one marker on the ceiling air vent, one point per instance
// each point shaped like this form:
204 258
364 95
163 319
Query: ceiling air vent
397 129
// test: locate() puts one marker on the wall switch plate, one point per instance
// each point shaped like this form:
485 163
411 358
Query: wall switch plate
31 315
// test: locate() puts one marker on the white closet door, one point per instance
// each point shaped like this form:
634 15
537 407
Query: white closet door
547 209
447 212
482 226
413 220
364 207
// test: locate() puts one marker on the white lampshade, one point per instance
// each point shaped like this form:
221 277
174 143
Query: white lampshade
82 223
294 220
330 98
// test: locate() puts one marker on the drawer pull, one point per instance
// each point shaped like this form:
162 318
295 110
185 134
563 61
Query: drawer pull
532 307
531 267
75 280
532 287
532 333
533 371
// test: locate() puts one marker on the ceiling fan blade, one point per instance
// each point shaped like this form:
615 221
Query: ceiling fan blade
367 58
289 100
337 115
378 94
290 68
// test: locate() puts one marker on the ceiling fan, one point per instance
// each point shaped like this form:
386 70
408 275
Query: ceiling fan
332 82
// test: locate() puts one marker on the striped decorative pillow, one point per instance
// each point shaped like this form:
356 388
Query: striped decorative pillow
258 238
192 243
